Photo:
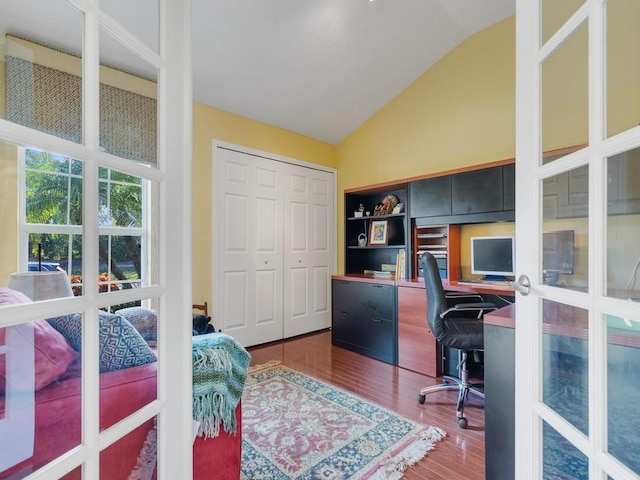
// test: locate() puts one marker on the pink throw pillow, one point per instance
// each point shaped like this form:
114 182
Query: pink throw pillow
52 352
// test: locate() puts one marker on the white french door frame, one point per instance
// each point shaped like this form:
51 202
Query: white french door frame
530 410
173 175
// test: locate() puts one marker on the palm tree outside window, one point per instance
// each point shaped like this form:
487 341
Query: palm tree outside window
51 221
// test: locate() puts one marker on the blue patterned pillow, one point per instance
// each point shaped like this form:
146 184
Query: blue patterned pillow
70 326
120 344
144 321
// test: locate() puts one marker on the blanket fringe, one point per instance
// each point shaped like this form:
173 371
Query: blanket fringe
394 467
211 410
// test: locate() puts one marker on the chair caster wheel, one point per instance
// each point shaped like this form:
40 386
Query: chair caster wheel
421 399
462 422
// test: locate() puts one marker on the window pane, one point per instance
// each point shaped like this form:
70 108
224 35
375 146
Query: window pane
127 351
565 241
566 362
133 456
565 96
140 18
53 186
623 384
123 268
560 459
623 71
35 376
623 227
128 113
43 65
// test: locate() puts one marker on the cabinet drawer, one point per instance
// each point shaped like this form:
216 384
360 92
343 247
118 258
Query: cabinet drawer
367 299
364 319
366 335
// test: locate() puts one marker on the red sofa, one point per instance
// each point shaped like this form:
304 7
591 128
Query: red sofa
58 428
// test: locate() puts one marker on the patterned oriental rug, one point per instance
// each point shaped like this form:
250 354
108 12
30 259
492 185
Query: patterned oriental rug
296 427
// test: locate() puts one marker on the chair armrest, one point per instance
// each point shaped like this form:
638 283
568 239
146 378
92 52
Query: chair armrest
480 308
474 306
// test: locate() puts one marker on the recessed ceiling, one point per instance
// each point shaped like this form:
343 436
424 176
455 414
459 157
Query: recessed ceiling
315 67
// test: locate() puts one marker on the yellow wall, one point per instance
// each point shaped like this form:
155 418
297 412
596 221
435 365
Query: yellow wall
461 112
212 124
8 212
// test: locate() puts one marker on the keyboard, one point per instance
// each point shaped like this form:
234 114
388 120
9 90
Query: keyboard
477 281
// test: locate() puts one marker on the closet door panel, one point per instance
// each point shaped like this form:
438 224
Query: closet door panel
266 302
236 293
308 226
248 190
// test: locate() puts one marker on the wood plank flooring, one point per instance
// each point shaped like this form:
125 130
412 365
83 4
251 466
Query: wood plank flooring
460 456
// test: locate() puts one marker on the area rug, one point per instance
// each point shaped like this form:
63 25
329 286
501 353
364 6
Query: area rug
296 427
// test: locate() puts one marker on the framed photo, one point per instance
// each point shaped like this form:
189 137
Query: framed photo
378 232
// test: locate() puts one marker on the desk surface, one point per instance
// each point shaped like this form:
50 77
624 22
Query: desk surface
503 317
455 286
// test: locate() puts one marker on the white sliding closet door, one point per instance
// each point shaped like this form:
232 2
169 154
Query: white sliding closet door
309 232
274 245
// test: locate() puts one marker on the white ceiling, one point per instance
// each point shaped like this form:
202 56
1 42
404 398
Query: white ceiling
316 67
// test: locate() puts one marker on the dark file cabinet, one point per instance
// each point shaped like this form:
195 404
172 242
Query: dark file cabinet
364 319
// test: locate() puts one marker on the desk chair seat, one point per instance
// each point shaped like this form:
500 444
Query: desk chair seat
456 322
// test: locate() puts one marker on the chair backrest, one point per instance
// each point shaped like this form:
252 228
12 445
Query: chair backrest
436 300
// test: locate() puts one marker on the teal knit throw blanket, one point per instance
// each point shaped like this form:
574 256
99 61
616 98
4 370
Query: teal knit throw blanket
220 366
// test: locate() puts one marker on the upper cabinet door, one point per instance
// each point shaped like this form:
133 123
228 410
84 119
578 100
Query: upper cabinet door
509 186
477 191
430 197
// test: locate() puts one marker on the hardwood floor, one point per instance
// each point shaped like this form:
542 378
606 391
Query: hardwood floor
460 456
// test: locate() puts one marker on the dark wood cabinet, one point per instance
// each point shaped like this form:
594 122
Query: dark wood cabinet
364 318
499 401
566 195
477 191
509 187
475 196
430 197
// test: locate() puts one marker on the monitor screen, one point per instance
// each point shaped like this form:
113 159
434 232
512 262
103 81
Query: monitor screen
557 252
493 256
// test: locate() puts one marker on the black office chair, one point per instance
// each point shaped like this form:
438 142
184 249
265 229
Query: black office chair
456 322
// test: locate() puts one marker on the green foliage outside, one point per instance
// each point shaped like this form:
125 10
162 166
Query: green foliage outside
54 197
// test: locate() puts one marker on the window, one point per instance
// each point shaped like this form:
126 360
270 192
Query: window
52 223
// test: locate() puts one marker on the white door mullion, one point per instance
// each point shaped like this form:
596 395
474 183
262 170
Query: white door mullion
527 454
597 238
90 361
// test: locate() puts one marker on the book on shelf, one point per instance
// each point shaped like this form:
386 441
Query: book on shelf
380 274
400 264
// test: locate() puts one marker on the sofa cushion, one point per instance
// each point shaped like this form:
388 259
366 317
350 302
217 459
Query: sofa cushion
52 352
120 344
145 321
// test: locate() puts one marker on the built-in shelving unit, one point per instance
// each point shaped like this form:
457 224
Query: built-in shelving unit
371 257
443 242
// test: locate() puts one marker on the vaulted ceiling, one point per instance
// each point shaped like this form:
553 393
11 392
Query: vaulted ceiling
316 67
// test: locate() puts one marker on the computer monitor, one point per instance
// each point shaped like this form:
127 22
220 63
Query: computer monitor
557 252
493 257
